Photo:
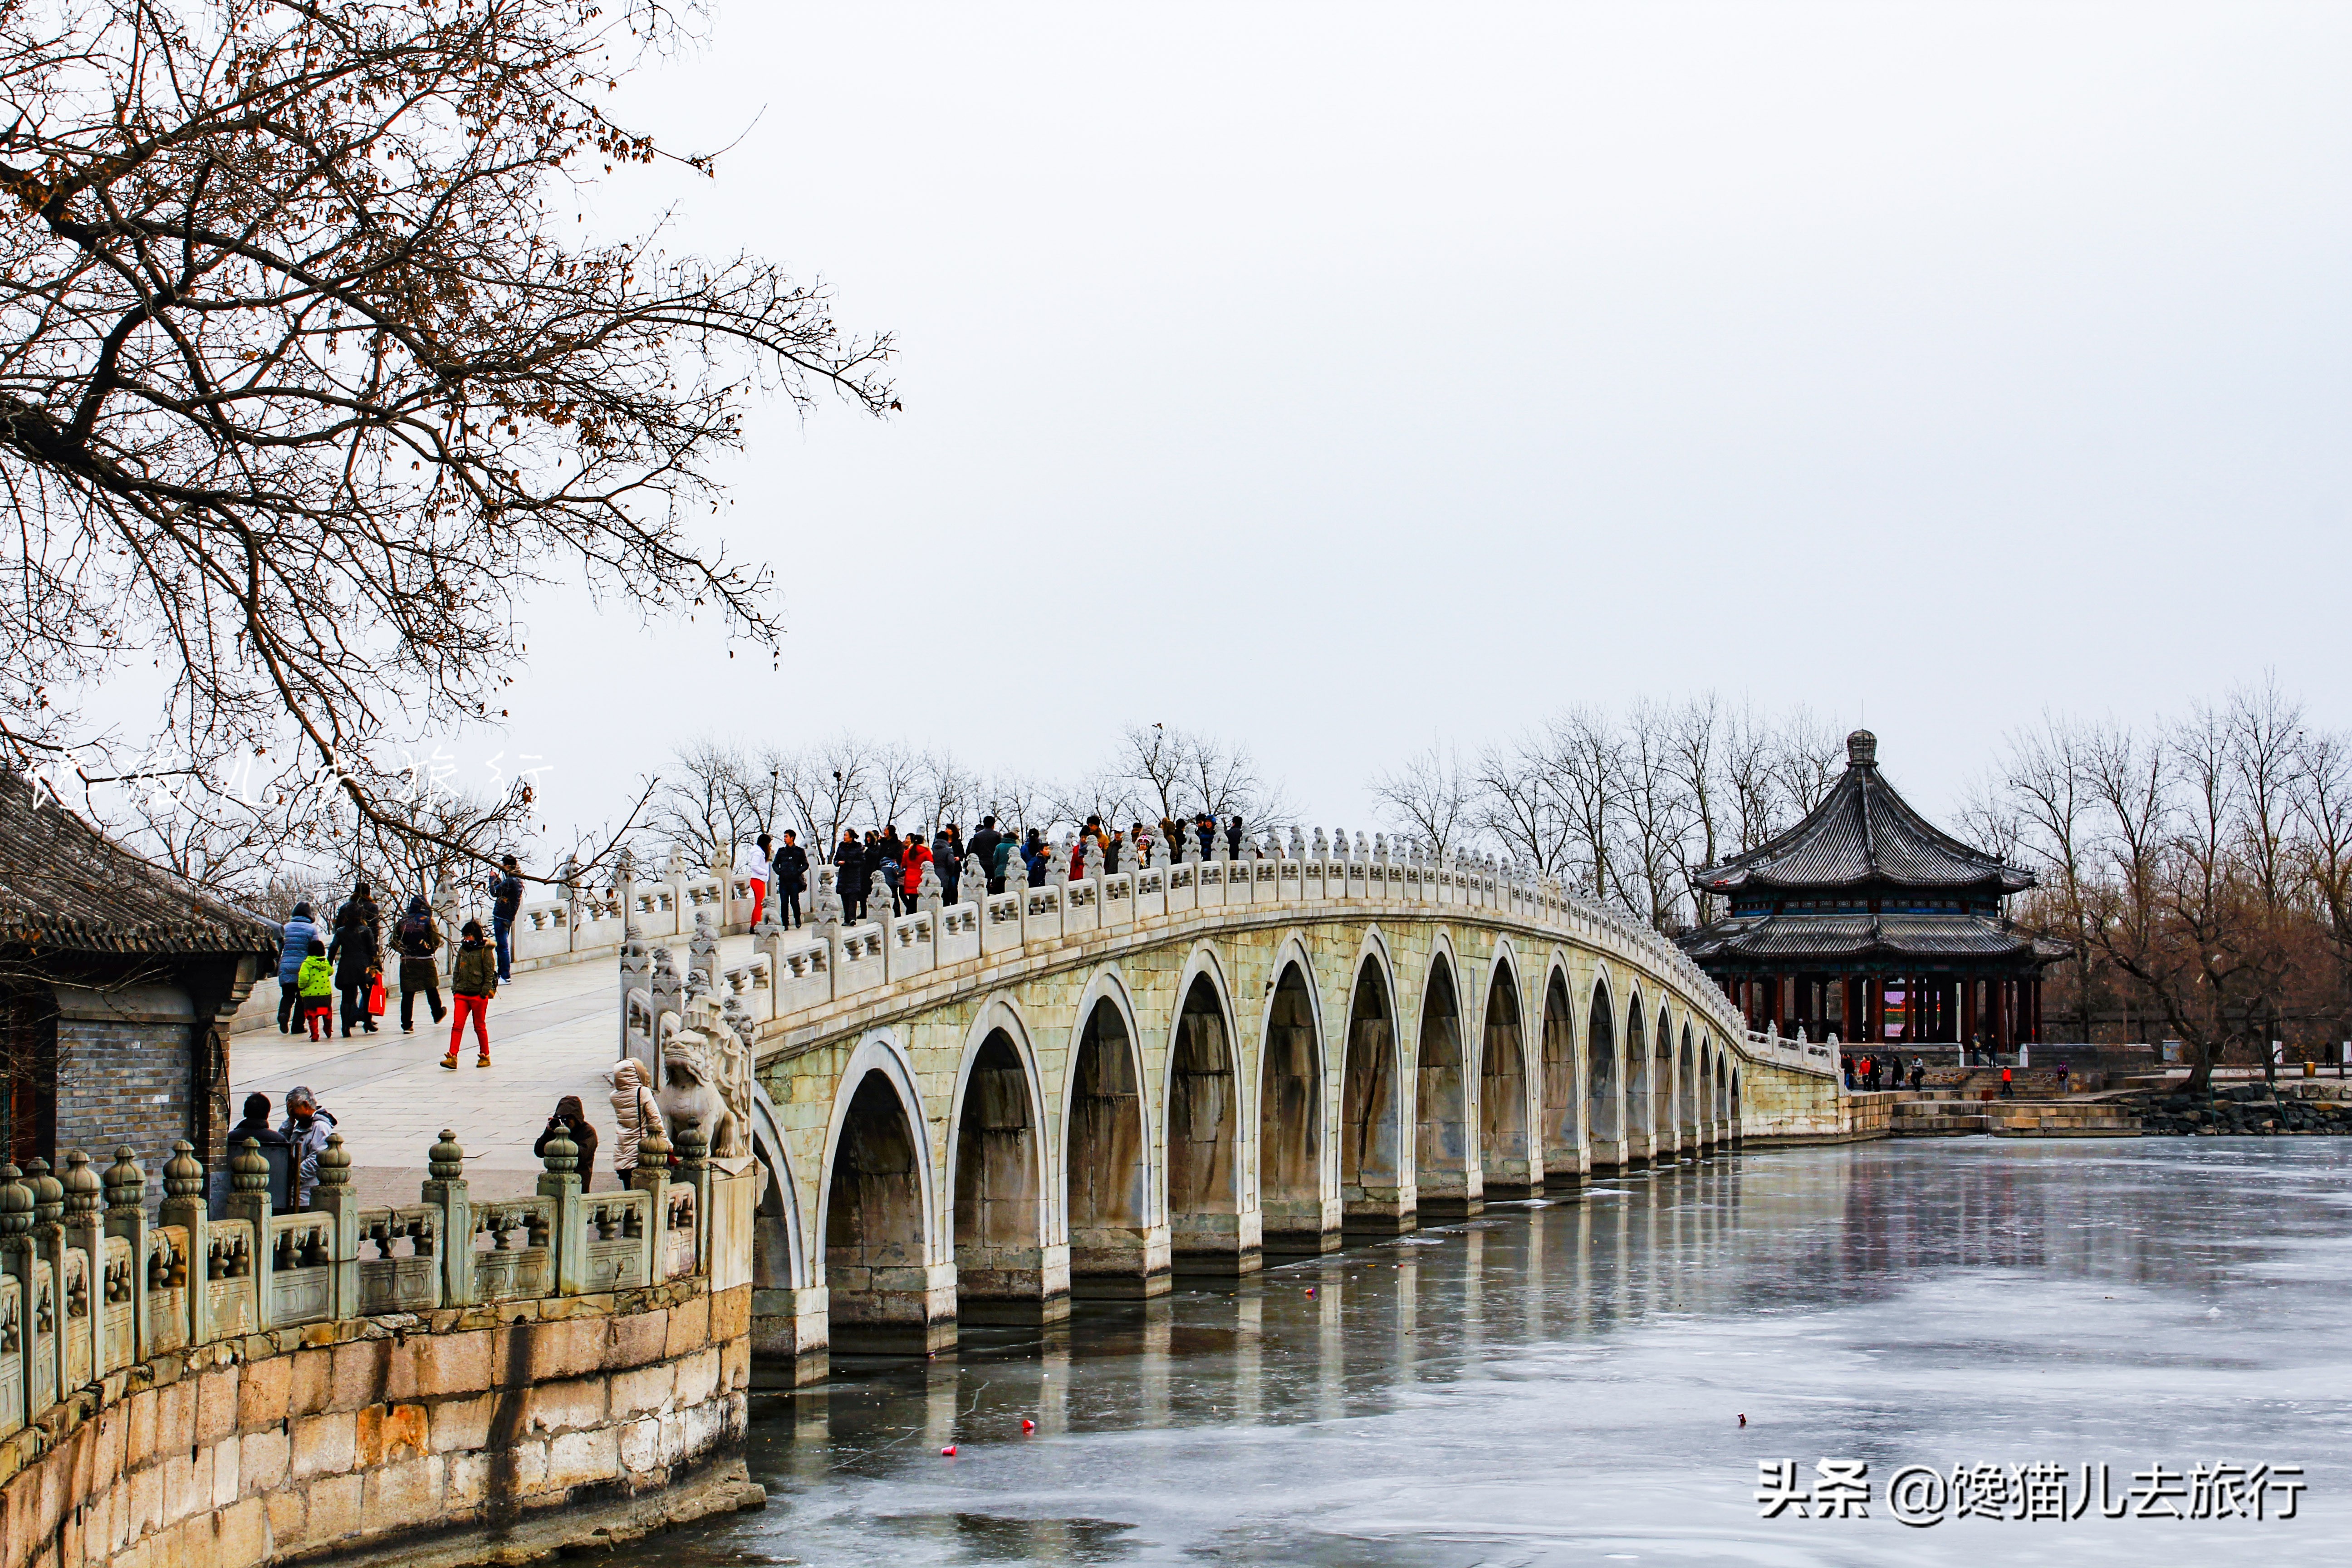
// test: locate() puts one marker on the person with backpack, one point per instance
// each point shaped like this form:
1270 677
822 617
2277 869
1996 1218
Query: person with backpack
634 1111
983 849
294 948
473 980
357 954
417 939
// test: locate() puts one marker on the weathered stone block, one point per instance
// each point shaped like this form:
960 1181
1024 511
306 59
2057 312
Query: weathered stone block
434 1365
407 1433
324 1445
367 1437
216 1400
288 1511
359 1373
139 1430
262 1460
185 1490
262 1390
730 1313
636 1339
689 1328
641 1448
567 1405
580 1458
466 1480
241 1534
146 1501
697 1377
334 1510
461 1423
642 1390
313 1383
220 1461
537 1353
403 1496
735 1364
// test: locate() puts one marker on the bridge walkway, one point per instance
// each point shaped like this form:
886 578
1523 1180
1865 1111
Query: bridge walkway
553 1032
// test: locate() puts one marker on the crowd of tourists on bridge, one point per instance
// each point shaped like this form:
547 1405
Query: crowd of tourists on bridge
337 975
880 862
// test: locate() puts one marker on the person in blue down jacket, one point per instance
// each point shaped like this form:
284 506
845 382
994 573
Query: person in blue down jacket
299 928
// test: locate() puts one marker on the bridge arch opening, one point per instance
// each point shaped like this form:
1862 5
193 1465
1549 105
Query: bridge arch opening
1000 1196
1640 1107
1664 1135
1687 1092
1505 1170
1106 1154
1204 1176
1372 1194
876 1242
1290 1122
1560 1095
1442 1141
1604 1107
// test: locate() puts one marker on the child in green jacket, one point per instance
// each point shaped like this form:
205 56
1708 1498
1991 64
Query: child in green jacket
314 985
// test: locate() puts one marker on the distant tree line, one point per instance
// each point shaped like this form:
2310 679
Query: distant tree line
2199 866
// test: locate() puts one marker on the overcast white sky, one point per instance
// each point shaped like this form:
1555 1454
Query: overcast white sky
1340 378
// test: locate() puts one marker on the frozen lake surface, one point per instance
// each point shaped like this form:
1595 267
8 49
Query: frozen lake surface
1562 1382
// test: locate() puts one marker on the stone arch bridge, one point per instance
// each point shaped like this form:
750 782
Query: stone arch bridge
975 1112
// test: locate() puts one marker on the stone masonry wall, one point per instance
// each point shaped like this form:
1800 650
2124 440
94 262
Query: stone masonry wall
432 1439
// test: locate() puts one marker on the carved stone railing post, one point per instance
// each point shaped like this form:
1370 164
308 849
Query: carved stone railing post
16 1255
184 1205
637 972
85 1229
249 1200
693 1171
49 1248
334 1195
652 1178
567 880
702 948
126 1217
561 1181
444 1186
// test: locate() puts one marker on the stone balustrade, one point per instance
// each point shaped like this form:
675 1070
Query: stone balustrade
830 960
92 1284
182 1386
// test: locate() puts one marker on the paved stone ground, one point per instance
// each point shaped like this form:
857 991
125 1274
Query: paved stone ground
553 1032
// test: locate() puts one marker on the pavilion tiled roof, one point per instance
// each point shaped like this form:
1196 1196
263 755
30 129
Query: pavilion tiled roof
67 887
1863 832
1859 936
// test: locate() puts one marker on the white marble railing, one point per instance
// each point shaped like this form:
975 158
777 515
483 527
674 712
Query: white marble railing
830 960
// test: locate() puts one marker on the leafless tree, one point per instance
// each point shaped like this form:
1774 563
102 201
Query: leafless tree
305 381
707 804
1428 796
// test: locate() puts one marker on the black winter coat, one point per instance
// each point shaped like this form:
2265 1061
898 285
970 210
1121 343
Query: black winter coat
791 867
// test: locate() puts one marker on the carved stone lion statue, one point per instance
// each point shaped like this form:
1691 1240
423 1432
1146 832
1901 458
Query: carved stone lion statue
706 1079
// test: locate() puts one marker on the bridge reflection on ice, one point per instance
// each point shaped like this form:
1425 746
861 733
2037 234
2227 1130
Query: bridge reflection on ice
1561 1381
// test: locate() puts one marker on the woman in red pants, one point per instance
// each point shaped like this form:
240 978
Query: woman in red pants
474 980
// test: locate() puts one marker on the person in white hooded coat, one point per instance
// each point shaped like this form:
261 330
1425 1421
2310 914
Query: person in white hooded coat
634 1109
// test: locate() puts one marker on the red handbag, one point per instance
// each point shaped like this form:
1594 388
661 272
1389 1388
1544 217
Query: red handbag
375 997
